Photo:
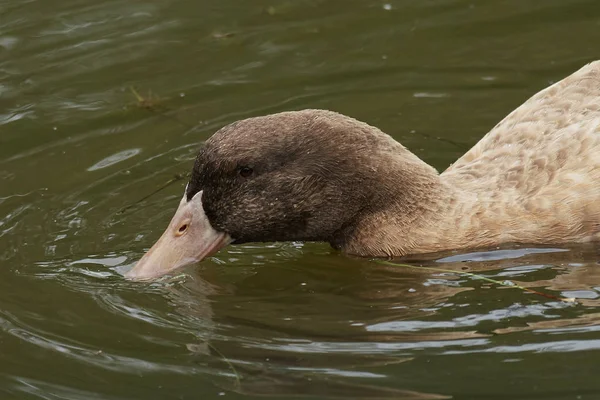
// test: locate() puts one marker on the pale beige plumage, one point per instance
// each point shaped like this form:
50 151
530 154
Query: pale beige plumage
534 178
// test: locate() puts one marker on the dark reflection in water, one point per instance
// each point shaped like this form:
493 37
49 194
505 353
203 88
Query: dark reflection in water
83 161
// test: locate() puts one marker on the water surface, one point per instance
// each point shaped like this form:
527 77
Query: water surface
286 320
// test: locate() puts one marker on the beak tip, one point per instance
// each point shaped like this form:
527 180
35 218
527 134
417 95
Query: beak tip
137 274
131 275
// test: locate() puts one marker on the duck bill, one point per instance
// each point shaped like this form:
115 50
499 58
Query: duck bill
189 238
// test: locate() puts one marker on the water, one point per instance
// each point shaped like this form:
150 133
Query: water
290 320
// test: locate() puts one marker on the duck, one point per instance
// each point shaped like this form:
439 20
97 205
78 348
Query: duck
317 175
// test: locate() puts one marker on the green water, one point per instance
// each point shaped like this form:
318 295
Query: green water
286 320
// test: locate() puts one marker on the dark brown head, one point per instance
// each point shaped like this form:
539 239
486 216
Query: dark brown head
305 175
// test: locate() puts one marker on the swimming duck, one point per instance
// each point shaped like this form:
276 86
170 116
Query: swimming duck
316 175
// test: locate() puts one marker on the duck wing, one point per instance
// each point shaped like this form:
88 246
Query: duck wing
535 177
550 142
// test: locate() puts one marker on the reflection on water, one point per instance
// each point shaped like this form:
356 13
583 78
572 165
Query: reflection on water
113 159
90 175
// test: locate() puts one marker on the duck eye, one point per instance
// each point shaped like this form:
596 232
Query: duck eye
245 172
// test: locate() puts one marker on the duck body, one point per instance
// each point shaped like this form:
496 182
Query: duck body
535 177
316 175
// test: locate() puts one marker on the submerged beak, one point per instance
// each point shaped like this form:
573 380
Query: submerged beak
189 238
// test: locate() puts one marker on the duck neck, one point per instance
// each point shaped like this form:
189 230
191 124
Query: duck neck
411 210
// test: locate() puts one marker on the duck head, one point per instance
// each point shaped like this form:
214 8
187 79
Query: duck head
295 176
